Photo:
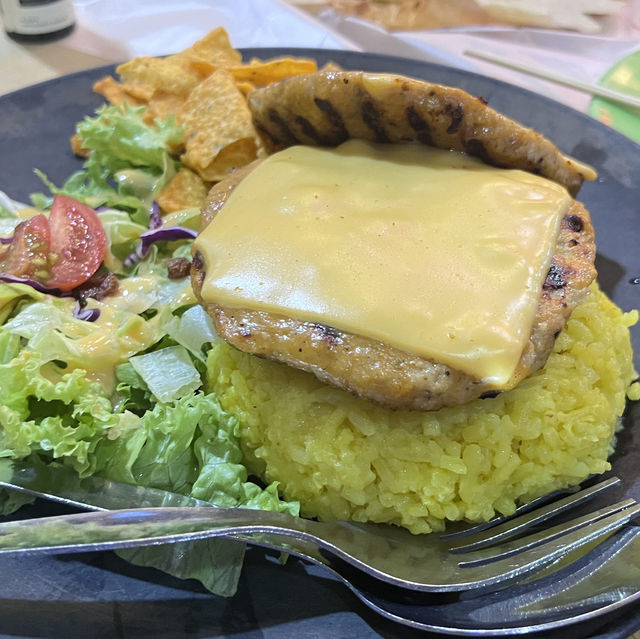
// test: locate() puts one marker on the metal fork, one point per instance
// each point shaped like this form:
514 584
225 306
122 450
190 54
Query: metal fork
584 591
426 563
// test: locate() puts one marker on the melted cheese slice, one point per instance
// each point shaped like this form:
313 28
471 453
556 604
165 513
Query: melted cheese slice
430 251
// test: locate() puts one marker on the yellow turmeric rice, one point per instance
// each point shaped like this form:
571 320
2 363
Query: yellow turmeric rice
345 458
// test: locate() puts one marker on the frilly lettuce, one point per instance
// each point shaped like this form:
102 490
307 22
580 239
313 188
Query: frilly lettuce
73 395
120 139
122 397
189 446
129 162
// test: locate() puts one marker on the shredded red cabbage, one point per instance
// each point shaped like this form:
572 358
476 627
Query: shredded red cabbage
155 219
166 234
5 240
38 286
133 258
86 314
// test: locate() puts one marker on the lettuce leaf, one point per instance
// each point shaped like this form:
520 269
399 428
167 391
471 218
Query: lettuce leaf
49 411
122 234
101 398
129 162
193 329
12 294
189 446
119 138
52 411
168 372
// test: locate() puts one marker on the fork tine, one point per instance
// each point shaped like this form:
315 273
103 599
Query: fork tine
509 568
516 525
567 536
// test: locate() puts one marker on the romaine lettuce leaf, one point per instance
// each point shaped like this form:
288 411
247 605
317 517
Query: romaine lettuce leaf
168 372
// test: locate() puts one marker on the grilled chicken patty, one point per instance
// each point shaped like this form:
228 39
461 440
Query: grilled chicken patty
367 367
327 108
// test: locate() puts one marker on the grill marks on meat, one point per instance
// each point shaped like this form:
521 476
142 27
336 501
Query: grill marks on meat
330 107
419 126
334 117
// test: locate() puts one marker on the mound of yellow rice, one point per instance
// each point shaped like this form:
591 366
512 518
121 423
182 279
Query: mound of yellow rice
345 458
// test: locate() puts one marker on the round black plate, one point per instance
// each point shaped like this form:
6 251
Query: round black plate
101 596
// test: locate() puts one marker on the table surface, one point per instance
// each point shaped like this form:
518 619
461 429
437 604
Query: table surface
24 64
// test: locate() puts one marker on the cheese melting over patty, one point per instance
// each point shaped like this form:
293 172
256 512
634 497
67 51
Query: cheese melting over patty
430 251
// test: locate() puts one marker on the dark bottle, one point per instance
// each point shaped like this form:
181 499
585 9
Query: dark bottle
37 20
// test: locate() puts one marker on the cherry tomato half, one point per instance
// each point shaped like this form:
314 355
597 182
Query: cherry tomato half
27 254
62 251
78 243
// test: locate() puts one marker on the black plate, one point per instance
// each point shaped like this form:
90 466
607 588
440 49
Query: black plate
101 596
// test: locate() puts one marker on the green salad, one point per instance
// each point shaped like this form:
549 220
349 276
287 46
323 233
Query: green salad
103 348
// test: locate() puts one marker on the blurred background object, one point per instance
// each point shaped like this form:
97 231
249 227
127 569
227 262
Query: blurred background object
37 20
579 39
585 16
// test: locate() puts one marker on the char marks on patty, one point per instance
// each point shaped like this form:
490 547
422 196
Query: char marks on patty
333 106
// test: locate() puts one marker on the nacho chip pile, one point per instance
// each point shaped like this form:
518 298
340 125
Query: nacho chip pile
205 87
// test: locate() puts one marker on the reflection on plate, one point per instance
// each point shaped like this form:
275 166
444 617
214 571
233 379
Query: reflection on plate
101 596
623 77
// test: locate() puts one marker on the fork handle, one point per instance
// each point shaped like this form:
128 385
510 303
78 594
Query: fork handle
109 530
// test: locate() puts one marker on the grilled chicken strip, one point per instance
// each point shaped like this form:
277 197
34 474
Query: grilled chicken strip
327 108
367 367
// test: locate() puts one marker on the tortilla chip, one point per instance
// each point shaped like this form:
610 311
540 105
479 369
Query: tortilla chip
331 66
205 87
163 104
245 87
186 190
77 146
216 48
200 66
216 116
208 54
115 92
262 73
231 157
142 77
